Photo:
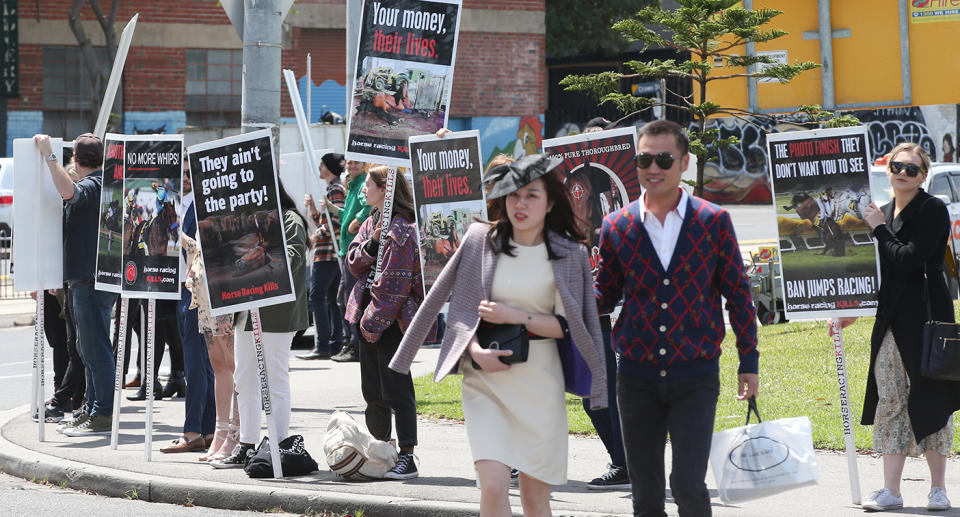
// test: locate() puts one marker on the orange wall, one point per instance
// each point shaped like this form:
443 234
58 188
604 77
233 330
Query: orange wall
866 64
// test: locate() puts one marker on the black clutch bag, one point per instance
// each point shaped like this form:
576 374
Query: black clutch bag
505 337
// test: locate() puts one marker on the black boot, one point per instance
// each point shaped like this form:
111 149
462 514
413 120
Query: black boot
348 354
142 392
176 385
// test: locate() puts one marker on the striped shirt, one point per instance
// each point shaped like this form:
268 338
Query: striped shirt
323 246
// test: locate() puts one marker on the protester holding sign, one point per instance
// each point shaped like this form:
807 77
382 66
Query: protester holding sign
91 307
382 310
354 212
910 413
527 268
280 323
325 276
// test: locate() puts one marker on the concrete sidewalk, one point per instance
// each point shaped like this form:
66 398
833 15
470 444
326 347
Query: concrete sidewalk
17 312
446 485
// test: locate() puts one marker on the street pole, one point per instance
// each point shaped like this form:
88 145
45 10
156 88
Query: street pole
260 101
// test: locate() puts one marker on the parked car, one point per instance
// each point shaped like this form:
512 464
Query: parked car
6 200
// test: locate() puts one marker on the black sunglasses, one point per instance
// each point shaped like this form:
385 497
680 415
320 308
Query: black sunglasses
664 160
912 170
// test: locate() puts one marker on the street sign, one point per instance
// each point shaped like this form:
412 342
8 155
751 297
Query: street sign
9 64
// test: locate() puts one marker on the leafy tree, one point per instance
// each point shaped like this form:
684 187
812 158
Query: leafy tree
705 30
582 27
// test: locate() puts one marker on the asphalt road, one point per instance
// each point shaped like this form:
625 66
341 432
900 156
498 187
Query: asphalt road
20 497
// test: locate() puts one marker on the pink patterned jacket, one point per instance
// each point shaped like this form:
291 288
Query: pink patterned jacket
399 292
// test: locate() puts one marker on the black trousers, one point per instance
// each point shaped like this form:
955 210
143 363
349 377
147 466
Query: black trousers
387 392
649 410
55 328
73 384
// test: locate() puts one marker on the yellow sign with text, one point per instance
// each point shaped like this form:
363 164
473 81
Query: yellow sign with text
928 11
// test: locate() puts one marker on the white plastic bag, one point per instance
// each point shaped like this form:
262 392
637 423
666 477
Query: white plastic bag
760 460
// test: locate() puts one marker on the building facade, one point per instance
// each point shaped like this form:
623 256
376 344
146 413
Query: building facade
184 68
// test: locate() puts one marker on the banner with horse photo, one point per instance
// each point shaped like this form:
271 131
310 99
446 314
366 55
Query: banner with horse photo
404 74
600 170
239 225
821 187
138 246
447 195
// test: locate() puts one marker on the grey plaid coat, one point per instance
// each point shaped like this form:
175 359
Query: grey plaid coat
466 281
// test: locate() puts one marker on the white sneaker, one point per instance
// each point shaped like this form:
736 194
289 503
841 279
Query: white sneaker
882 500
937 500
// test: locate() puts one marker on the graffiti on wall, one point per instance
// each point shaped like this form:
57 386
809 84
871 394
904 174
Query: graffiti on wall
738 173
512 136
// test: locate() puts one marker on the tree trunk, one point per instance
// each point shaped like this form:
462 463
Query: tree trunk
701 160
90 60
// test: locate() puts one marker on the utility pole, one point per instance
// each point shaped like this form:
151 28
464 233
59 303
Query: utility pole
260 103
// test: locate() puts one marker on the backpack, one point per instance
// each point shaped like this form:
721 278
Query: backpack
353 453
294 459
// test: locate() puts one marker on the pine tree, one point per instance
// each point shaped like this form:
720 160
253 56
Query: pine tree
707 30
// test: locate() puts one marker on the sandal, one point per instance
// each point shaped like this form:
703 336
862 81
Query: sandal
218 438
230 441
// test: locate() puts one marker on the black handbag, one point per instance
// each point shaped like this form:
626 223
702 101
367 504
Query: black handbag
940 357
294 459
504 337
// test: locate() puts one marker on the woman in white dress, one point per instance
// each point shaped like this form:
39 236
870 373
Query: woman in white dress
534 271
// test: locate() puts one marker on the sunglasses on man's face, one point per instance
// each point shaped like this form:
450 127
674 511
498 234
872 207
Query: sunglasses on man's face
912 169
664 160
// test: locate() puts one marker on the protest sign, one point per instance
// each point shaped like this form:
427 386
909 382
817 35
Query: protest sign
37 219
821 187
403 77
138 248
239 224
601 173
447 193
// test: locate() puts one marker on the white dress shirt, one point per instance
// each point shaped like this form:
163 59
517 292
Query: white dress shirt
664 236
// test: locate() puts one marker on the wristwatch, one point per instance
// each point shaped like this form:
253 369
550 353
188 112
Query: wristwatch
52 157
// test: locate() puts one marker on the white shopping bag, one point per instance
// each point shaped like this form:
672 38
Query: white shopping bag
763 459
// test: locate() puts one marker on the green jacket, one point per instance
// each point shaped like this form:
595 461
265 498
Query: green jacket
290 316
355 207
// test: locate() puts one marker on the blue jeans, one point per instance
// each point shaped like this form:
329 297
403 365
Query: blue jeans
201 405
684 408
607 421
92 309
324 282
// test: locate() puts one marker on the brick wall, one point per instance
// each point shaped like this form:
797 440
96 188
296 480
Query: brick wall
510 5
154 79
499 75
151 11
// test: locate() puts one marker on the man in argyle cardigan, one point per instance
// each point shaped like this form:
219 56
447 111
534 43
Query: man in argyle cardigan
670 257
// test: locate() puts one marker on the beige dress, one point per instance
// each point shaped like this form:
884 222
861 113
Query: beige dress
518 416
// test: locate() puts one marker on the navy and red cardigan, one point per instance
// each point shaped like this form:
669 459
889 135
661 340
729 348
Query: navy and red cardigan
671 324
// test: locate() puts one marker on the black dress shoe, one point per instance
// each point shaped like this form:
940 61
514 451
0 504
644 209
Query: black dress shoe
314 354
176 385
142 392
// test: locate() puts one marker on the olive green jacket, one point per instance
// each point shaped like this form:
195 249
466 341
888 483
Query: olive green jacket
290 316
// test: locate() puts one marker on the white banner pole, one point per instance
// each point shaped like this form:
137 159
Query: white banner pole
836 332
307 140
266 404
309 91
111 93
148 374
118 377
35 379
38 353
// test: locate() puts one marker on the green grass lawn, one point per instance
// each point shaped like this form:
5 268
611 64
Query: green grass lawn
797 377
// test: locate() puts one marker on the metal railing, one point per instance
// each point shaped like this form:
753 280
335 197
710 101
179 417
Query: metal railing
6 270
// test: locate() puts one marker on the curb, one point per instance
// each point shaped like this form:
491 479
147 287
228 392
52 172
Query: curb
31 465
